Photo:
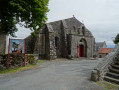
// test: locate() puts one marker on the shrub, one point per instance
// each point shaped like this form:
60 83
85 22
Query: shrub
30 58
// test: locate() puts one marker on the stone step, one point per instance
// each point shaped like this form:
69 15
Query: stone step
113 75
115 67
114 70
112 80
116 63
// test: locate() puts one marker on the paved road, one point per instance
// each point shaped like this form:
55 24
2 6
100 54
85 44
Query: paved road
54 75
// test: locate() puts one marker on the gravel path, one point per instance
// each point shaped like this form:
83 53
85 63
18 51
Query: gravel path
54 75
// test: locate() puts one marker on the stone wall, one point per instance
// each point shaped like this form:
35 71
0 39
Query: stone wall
52 54
30 44
16 60
50 48
75 42
40 46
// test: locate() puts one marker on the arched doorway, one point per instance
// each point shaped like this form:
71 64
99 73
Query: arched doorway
83 48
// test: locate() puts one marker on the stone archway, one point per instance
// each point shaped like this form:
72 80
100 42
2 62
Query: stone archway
82 48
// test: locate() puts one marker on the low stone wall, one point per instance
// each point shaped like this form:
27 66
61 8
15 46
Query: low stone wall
17 60
103 67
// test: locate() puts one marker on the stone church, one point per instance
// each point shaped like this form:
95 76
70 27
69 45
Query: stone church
62 39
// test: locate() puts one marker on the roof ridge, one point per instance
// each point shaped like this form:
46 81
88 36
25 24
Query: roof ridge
61 20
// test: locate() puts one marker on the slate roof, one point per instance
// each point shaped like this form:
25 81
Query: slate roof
68 23
99 45
105 50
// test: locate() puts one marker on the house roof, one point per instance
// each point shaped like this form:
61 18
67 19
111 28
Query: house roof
105 50
99 45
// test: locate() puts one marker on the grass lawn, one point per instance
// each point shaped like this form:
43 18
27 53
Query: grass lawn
41 61
108 86
14 70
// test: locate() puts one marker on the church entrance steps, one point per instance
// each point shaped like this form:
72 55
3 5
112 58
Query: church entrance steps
115 66
113 74
108 68
117 63
109 79
114 70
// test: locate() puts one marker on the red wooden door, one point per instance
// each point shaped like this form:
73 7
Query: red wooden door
79 52
81 48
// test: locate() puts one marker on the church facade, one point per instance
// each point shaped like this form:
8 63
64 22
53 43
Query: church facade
62 39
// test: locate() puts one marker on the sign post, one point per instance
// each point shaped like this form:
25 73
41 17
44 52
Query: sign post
8 55
16 46
24 51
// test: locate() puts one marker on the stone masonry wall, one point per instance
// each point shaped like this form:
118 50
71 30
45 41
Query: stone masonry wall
52 54
75 42
17 60
39 47
30 43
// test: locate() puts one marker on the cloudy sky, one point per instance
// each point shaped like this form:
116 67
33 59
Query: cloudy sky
101 17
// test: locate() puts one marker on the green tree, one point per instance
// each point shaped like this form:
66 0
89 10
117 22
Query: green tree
28 13
116 40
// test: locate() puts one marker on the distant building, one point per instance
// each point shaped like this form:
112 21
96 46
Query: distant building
103 52
100 45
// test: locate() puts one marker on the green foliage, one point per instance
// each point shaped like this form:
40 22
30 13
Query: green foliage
41 61
17 69
30 58
31 12
116 40
108 86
